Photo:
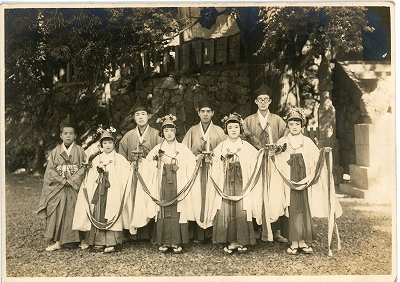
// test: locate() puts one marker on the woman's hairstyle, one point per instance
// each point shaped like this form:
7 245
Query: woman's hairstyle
167 122
297 114
232 118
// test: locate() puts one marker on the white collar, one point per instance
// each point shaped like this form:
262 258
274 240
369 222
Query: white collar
263 119
68 151
205 134
141 137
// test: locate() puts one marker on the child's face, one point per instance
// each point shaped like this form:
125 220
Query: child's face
263 102
233 129
108 145
141 118
205 114
294 127
169 134
68 135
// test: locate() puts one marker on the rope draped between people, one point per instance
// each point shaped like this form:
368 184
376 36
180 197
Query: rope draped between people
325 156
249 185
110 223
168 202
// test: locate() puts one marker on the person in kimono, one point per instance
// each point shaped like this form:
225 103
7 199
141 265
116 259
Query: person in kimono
234 166
202 137
295 169
169 167
62 180
99 208
141 140
260 129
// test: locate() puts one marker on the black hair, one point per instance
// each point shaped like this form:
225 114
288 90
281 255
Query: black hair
161 134
233 121
106 138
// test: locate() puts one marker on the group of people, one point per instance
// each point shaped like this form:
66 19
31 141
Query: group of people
260 174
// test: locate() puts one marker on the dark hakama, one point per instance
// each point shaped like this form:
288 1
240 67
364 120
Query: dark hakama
300 223
168 231
230 223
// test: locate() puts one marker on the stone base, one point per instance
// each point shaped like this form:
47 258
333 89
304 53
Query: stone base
383 196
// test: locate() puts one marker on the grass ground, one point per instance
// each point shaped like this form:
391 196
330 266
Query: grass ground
365 231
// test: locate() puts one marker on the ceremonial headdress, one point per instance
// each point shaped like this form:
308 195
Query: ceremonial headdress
166 121
297 114
141 106
106 134
68 122
232 118
205 103
263 90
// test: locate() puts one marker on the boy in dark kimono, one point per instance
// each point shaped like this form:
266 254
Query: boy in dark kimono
62 179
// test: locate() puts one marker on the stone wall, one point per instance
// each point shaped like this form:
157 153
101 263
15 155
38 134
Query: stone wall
228 89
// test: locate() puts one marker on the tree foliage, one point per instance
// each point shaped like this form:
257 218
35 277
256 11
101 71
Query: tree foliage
39 41
288 39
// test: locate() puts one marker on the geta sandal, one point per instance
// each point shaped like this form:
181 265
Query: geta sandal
307 250
229 251
292 251
242 249
163 249
109 250
177 250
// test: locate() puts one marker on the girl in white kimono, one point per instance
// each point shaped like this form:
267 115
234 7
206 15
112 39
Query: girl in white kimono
297 165
233 167
101 197
169 167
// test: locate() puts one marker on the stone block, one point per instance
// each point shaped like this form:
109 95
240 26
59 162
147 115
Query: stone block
165 83
208 80
188 80
242 99
243 81
359 175
362 154
361 133
244 72
215 72
351 190
213 88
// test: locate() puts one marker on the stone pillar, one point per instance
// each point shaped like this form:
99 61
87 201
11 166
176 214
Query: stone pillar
327 117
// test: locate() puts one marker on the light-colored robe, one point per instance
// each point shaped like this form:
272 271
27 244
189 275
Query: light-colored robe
119 170
279 197
195 137
186 162
247 158
130 142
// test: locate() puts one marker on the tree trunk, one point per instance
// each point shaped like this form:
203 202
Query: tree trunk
38 161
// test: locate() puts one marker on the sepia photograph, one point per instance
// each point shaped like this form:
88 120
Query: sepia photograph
198 141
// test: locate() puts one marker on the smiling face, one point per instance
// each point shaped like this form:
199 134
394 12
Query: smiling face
68 135
294 127
263 102
233 129
141 118
108 145
169 134
205 114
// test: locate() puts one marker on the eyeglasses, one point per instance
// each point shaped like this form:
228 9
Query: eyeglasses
265 100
